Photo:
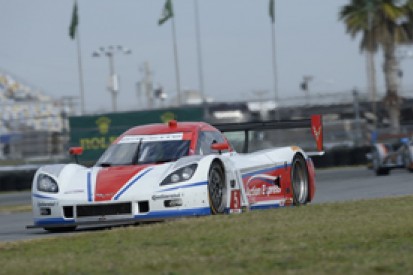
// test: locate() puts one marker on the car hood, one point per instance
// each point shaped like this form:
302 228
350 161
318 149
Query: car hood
111 180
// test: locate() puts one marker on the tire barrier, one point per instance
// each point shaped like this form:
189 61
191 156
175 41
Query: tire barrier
16 180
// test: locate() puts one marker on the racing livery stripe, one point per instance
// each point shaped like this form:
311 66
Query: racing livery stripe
176 213
264 206
185 186
52 221
43 197
131 183
265 170
89 186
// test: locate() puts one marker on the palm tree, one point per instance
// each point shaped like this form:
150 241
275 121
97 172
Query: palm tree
383 24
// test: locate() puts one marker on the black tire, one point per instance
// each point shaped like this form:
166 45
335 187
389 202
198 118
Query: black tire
407 159
380 171
217 189
299 180
60 229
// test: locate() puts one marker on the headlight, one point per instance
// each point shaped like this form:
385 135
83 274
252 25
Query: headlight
182 174
47 184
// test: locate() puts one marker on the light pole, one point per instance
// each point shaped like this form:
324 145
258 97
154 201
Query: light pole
110 52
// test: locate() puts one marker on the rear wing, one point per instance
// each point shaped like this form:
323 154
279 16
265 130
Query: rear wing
315 123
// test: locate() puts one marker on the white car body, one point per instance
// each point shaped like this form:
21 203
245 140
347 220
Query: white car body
134 193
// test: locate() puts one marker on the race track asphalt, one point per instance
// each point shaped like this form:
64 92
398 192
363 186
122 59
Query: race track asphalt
333 185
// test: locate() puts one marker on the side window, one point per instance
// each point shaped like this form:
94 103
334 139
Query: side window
205 139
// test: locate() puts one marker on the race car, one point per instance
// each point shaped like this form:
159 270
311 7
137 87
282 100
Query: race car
396 152
179 169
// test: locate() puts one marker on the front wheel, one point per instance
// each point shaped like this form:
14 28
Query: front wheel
217 189
299 180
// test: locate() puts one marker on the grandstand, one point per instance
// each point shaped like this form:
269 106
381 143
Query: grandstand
29 120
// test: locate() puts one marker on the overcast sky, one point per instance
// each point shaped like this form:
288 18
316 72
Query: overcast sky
236 48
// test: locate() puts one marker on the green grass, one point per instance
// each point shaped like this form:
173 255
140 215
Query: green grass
8 209
363 237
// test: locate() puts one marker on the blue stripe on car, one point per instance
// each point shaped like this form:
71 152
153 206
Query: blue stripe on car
43 197
265 170
89 186
185 186
176 213
52 221
131 183
264 206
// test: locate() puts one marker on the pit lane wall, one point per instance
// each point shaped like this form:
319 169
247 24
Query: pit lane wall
96 132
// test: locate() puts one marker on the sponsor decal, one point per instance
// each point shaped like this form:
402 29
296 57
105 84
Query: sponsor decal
104 195
165 196
263 190
262 187
46 204
235 205
149 138
103 124
96 143
77 191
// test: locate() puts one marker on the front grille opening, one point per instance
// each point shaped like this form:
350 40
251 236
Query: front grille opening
104 209
143 206
68 211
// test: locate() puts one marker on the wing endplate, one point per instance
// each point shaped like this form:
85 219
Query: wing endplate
317 130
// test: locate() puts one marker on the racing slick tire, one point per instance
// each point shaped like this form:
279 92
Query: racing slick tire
299 180
217 188
407 159
60 229
380 171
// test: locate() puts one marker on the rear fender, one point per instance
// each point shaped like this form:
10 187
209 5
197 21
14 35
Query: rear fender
311 179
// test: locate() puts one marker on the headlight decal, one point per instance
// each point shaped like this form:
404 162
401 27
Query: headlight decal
185 186
131 183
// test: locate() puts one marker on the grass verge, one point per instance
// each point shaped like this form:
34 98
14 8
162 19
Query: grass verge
363 237
9 209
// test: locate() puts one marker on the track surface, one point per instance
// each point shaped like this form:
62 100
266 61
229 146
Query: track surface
333 185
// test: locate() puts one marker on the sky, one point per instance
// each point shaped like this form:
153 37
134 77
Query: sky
35 47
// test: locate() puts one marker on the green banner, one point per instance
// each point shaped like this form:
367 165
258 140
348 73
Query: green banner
96 132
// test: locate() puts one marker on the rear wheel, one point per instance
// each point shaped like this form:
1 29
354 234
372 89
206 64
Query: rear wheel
217 189
407 159
380 171
299 180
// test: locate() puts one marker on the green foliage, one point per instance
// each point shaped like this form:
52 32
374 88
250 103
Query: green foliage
379 22
363 237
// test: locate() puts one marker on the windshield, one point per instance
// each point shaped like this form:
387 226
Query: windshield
142 150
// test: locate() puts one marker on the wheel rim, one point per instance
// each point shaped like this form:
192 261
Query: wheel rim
216 188
300 183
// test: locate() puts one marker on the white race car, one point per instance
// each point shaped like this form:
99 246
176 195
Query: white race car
391 155
178 169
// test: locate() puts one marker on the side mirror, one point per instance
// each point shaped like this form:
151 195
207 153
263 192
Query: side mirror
75 152
220 147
